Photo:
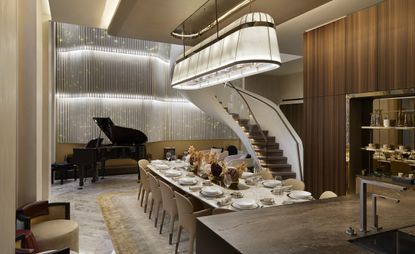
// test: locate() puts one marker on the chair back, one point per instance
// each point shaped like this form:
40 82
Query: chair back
143 164
144 179
328 194
221 211
185 211
296 184
265 174
155 187
168 199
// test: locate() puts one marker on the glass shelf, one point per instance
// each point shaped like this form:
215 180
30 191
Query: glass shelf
388 128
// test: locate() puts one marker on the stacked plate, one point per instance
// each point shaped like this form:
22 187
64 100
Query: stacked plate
187 181
296 194
211 191
172 173
246 175
272 183
245 204
161 166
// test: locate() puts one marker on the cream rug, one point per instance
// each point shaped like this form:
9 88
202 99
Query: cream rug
130 229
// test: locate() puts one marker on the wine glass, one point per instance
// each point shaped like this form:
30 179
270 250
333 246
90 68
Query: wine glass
168 156
227 180
278 178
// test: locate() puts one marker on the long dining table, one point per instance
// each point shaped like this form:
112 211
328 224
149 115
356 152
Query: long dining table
255 192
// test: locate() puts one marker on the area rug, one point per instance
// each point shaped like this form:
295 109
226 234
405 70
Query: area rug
130 229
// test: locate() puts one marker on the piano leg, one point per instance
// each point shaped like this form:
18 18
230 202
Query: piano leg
81 177
138 171
103 169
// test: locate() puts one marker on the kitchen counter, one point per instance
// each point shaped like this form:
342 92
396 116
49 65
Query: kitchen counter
312 227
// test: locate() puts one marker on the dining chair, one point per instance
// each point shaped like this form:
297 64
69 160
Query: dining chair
142 164
187 219
328 194
145 192
221 211
155 197
266 174
169 206
296 184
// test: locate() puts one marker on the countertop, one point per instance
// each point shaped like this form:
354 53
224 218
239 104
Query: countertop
312 227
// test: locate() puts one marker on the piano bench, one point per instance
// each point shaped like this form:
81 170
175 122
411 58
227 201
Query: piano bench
63 169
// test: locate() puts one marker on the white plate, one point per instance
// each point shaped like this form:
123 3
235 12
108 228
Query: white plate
245 204
178 164
271 183
296 194
157 162
211 191
161 166
172 172
187 181
247 174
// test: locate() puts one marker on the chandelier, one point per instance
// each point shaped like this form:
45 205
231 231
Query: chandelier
246 47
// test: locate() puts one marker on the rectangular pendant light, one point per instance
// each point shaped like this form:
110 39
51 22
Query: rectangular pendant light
246 47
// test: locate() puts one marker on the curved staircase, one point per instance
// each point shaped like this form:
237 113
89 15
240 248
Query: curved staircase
278 148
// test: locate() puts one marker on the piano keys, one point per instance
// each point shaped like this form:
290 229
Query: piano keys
125 143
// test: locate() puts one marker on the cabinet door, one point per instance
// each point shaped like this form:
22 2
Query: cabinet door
396 44
361 51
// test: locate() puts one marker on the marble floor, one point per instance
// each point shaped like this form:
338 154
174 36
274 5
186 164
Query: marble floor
93 234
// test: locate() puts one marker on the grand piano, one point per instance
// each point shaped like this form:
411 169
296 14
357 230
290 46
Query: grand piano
125 143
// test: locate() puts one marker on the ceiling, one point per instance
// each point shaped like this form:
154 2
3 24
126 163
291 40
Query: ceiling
155 19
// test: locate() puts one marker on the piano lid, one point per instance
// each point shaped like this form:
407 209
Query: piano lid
120 135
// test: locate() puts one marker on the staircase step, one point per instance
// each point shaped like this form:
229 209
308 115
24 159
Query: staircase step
283 167
273 159
269 152
257 133
261 138
262 144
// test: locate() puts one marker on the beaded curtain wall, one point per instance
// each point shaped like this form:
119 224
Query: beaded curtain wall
128 80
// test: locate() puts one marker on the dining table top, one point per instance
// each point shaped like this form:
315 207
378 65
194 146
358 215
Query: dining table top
255 192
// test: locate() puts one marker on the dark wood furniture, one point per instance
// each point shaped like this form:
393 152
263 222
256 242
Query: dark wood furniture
370 50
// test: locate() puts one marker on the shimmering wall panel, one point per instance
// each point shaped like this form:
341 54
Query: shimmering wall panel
127 80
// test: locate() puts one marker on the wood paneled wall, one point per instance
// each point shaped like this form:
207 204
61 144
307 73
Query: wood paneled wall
294 114
370 50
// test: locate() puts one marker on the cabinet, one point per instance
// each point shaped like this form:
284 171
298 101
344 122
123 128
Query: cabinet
382 149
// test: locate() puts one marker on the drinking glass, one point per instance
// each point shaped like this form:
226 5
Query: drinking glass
227 180
168 156
278 178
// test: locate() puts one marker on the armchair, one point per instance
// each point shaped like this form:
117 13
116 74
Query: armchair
50 224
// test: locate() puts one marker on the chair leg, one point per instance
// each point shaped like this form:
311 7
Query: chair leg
151 209
146 202
162 220
157 215
139 191
173 219
191 244
143 192
178 239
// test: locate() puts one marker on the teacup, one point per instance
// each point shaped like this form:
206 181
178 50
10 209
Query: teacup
400 174
411 176
401 147
278 190
385 146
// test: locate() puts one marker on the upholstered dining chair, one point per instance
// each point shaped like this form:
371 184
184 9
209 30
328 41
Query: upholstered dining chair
50 224
169 206
141 164
145 192
265 174
187 219
296 184
328 194
155 197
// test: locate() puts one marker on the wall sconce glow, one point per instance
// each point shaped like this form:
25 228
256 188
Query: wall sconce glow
108 13
246 47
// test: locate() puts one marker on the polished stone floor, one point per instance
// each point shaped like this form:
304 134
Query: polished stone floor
93 234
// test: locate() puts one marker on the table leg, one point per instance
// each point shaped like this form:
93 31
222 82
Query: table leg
103 169
81 176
